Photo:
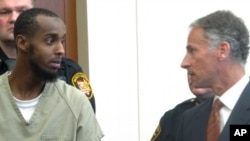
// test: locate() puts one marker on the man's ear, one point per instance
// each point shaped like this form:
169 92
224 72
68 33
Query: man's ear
22 43
223 50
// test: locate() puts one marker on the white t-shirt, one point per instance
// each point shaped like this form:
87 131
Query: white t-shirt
27 107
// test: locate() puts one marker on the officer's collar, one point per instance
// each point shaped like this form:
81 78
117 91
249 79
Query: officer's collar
3 56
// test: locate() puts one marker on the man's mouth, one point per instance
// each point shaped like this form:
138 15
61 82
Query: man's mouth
56 63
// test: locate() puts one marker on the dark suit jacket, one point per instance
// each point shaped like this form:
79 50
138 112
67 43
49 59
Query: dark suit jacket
193 124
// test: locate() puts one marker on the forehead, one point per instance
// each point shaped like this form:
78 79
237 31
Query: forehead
12 4
50 25
196 36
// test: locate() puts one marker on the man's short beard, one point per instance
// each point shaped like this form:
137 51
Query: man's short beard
43 74
40 72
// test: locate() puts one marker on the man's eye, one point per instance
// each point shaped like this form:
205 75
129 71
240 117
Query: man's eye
191 50
49 41
4 12
63 41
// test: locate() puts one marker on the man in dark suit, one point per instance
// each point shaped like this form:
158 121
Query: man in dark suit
217 50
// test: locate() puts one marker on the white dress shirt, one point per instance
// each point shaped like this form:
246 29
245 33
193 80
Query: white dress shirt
230 98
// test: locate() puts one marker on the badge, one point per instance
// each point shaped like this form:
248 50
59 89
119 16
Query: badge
80 81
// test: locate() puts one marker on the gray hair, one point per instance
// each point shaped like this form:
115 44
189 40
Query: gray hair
225 26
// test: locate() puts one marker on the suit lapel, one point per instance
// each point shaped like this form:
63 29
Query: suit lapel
201 120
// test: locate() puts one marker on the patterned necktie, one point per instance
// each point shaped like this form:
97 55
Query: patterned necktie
213 129
10 63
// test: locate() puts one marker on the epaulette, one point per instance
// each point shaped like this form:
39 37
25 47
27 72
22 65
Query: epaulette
194 100
191 101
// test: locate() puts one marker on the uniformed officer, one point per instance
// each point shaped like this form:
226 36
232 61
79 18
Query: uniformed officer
72 73
166 130
168 122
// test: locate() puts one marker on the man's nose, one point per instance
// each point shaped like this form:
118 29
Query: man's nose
13 16
185 62
60 49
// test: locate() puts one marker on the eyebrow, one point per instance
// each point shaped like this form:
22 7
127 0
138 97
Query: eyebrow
188 46
14 8
54 35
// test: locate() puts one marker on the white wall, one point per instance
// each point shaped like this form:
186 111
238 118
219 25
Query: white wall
135 51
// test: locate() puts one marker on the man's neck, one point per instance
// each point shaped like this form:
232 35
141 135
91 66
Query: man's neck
9 48
24 87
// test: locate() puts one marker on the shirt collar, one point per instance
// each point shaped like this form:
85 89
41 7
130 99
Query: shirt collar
231 96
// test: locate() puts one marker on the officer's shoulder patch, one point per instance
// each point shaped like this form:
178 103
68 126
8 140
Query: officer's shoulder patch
81 81
156 133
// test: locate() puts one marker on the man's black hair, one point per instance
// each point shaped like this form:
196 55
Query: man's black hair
26 23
